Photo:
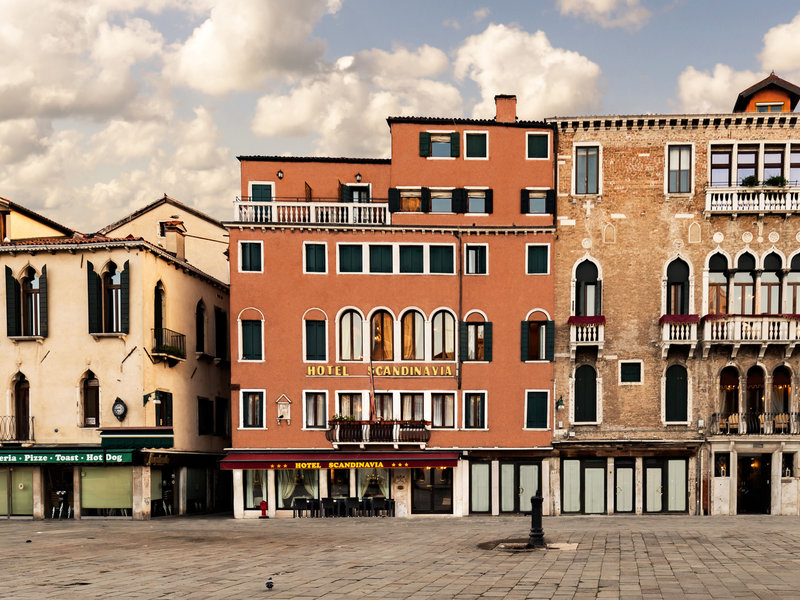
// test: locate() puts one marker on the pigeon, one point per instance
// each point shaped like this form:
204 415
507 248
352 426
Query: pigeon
269 583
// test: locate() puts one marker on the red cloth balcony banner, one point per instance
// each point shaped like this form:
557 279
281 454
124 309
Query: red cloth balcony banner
679 319
595 320
363 460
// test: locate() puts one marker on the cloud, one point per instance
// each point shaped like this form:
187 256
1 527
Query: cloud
781 51
547 81
628 14
345 108
19 138
242 44
716 92
481 14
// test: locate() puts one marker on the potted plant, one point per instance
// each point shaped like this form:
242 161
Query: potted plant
776 181
750 181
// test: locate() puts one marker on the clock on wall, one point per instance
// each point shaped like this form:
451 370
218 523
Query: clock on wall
119 409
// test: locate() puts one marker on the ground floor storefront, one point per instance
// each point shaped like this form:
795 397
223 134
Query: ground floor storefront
82 482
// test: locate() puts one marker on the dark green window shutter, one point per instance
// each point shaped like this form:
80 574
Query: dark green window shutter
441 259
549 340
411 259
598 298
380 258
536 414
315 258
424 143
220 334
425 200
43 331
677 394
454 144
460 200
13 299
550 202
630 372
489 201
125 296
537 146
476 145
262 193
487 341
315 340
350 259
585 394
525 329
394 200
537 260
580 298
524 201
94 294
251 340
462 340
251 256
467 410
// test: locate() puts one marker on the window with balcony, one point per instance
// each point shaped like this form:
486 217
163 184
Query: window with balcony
676 392
443 411
678 288
354 193
794 166
746 165
381 329
679 169
315 257
412 407
537 403
771 285
537 338
443 332
350 405
587 169
588 290
754 396
744 285
108 299
250 254
781 390
721 166
773 163
384 406
474 410
261 192
315 410
438 144
476 259
585 394
412 327
251 412
476 144
351 346
90 400
717 285
729 390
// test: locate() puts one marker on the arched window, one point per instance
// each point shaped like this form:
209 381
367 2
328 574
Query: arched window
771 285
22 409
585 394
588 290
754 402
112 299
729 391
200 327
444 336
316 335
26 303
793 287
413 330
108 295
30 302
676 402
718 285
678 288
381 330
351 346
744 289
90 396
781 390
537 337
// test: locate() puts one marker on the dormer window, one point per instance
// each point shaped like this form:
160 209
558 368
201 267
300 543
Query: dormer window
769 107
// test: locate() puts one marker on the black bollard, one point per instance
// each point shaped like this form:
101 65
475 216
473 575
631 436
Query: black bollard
536 537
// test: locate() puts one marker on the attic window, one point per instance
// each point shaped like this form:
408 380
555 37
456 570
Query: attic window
769 107
162 230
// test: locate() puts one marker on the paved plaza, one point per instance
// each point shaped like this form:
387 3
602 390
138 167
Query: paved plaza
217 557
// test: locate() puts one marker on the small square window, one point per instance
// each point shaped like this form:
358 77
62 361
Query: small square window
315 258
441 259
350 258
380 258
441 145
538 259
476 263
630 371
538 145
476 145
537 203
442 202
250 257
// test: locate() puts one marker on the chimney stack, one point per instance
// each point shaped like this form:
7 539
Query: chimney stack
506 105
176 242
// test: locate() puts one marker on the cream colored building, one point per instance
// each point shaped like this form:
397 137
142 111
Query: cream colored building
115 365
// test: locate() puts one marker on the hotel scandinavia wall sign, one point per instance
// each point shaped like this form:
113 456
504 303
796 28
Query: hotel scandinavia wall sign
381 371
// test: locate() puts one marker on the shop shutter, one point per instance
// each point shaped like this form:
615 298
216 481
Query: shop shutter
394 200
315 340
523 339
487 341
424 143
13 294
489 201
549 340
536 413
106 487
125 296
43 330
425 200
454 144
94 296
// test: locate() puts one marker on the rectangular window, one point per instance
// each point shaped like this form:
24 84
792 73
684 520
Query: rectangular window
252 409
251 340
316 348
163 406
537 340
536 409
538 145
476 145
355 193
411 259
315 258
746 165
380 258
476 341
350 258
350 405
773 164
794 166
261 192
442 201
721 167
250 257
536 203
474 410
587 163
538 260
717 293
205 416
221 416
412 407
410 200
769 107
441 259
476 263
442 145
383 406
476 202
443 411
630 371
315 410
679 164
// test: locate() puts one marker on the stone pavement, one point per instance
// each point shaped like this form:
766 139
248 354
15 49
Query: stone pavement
648 557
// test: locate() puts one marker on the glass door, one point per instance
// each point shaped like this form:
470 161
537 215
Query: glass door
624 486
432 490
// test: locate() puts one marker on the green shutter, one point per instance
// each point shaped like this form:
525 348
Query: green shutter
585 394
43 330
537 146
467 410
536 413
550 202
454 144
524 201
598 298
262 193
523 340
425 200
350 259
489 202
580 298
125 295
380 259
94 293
677 394
315 340
13 298
251 340
476 145
460 200
462 341
424 143
441 259
487 341
537 260
549 340
411 259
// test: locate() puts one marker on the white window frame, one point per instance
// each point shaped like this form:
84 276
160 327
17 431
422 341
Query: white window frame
305 268
538 133
325 416
364 402
338 255
525 411
485 410
691 168
305 337
241 409
630 361
476 188
467 324
543 190
549 260
485 132
261 253
433 132
434 190
688 420
250 185
362 185
466 261
429 409
241 345
573 175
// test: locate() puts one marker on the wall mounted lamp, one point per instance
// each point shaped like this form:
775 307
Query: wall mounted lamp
559 403
358 177
280 174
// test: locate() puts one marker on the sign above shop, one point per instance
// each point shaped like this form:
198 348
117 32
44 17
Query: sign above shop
381 371
65 457
332 461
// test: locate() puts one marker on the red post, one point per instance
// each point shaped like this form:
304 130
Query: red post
263 510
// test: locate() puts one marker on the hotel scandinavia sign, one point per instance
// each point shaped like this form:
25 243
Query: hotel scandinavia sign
381 371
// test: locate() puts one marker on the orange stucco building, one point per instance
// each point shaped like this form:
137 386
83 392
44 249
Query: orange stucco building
392 324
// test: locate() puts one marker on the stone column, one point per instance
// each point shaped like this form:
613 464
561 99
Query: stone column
38 493
76 491
547 504
638 485
610 487
141 493
182 490
238 493
495 492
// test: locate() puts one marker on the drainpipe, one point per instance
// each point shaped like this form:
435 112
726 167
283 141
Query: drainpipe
460 264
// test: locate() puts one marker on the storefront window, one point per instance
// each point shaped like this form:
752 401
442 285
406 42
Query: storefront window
295 483
374 483
339 483
255 488
432 490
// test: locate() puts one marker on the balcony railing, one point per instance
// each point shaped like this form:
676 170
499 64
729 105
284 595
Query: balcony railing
740 199
13 429
296 212
751 329
586 331
384 432
752 423
169 343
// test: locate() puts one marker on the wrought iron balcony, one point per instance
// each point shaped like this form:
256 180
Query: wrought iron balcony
169 344
382 432
741 199
13 429
324 211
752 423
751 329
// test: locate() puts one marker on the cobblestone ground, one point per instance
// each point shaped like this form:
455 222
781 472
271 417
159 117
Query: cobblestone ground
217 557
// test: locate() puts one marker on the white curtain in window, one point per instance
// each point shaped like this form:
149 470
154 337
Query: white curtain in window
311 482
286 485
572 485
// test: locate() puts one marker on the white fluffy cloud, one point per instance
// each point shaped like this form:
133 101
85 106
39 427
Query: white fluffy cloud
715 92
781 51
547 81
608 13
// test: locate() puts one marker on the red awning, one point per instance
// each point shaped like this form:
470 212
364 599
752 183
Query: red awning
362 460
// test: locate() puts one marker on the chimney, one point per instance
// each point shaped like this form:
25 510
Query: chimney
176 242
506 105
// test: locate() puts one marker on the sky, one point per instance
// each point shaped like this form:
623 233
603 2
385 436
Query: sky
106 105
